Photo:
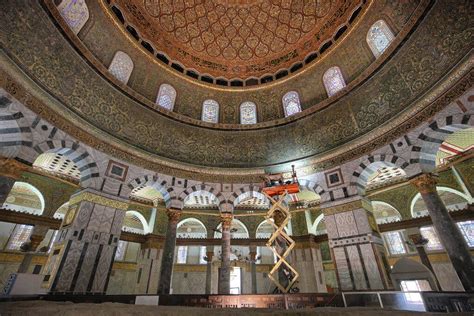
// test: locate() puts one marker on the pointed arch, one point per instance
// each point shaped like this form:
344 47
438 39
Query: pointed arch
161 185
141 218
370 165
121 67
333 81
76 153
202 187
245 192
427 144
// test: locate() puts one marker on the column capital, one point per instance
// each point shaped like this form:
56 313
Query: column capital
209 255
425 182
417 240
226 219
12 168
173 214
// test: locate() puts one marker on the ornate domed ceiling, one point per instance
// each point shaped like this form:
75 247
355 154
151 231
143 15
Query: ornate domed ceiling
237 39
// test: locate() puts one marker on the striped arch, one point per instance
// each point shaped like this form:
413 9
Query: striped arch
76 153
202 187
370 165
311 186
15 131
154 181
428 142
245 191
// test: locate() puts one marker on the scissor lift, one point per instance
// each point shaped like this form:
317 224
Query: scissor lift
277 195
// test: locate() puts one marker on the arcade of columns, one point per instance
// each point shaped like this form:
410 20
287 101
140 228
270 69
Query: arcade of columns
82 257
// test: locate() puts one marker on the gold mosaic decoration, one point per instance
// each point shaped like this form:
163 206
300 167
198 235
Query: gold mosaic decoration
237 38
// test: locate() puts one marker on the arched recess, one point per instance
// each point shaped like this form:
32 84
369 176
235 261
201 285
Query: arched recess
25 198
385 213
202 187
154 181
89 172
427 144
251 194
135 222
264 230
241 231
195 229
318 227
416 212
146 226
370 165
61 211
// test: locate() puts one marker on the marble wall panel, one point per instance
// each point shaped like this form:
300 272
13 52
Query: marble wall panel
362 221
370 263
346 225
356 267
342 269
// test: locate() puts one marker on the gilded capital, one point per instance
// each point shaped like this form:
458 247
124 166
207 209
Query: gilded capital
12 168
226 219
173 215
425 183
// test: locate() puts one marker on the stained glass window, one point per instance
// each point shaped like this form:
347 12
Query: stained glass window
379 37
75 13
433 241
395 242
121 248
21 234
166 97
467 229
248 113
210 111
182 254
121 67
291 103
333 80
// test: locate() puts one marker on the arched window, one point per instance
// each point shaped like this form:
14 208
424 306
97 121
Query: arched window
210 111
379 37
291 103
75 13
248 113
166 97
333 80
121 67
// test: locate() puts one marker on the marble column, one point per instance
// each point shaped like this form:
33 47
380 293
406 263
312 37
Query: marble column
168 252
253 267
417 241
356 245
37 236
82 256
448 232
224 272
10 171
209 255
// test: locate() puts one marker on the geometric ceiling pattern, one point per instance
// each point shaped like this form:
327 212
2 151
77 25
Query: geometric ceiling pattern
236 39
57 163
146 193
385 175
201 199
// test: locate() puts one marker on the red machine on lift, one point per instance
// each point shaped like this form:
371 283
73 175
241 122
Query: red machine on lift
274 184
